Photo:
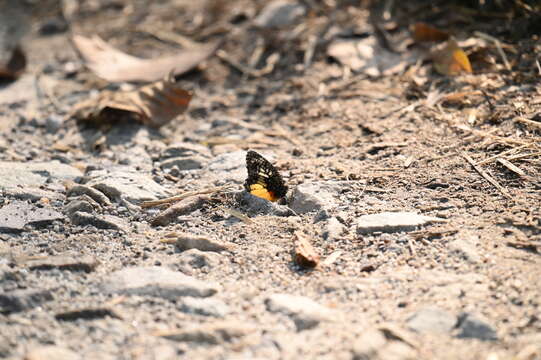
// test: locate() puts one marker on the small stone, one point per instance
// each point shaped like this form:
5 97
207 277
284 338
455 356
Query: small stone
185 149
94 194
156 281
203 243
129 184
305 312
314 196
99 221
85 263
279 13
375 345
474 326
254 205
203 306
52 352
197 259
333 229
21 300
213 333
16 215
53 123
432 320
393 222
17 175
33 194
464 247
78 205
184 163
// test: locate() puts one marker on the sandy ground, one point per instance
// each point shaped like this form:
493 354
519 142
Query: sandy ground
348 145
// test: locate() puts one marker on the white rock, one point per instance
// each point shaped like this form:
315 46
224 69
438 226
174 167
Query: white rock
393 222
156 281
305 312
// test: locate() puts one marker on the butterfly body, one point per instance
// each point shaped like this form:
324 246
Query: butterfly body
263 179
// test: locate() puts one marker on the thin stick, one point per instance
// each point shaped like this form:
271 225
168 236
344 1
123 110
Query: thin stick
169 200
487 177
238 215
483 162
528 122
498 47
511 167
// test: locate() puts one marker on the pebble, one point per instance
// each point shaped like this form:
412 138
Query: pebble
197 259
78 205
17 175
432 320
213 333
99 221
96 195
333 229
373 344
472 326
314 196
304 312
85 263
203 306
203 243
52 352
21 300
393 222
184 149
254 205
184 163
129 184
33 194
53 123
156 281
16 215
279 13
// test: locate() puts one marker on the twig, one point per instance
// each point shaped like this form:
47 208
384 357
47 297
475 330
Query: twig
238 215
500 155
269 66
487 177
169 200
498 47
528 122
511 167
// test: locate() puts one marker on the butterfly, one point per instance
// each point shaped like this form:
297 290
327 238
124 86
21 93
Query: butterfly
263 179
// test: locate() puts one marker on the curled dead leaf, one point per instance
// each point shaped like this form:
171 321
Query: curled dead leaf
423 32
154 105
112 64
450 59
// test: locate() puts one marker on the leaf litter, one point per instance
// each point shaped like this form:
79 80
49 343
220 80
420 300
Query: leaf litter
154 105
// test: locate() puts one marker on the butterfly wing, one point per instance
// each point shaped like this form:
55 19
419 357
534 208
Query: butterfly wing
263 179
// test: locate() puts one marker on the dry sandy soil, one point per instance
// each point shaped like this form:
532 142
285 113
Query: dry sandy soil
94 279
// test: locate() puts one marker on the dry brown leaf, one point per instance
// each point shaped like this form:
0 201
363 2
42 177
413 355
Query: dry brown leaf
154 105
305 254
423 32
112 64
451 59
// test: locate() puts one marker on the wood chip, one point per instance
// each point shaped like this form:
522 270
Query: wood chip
183 207
305 254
